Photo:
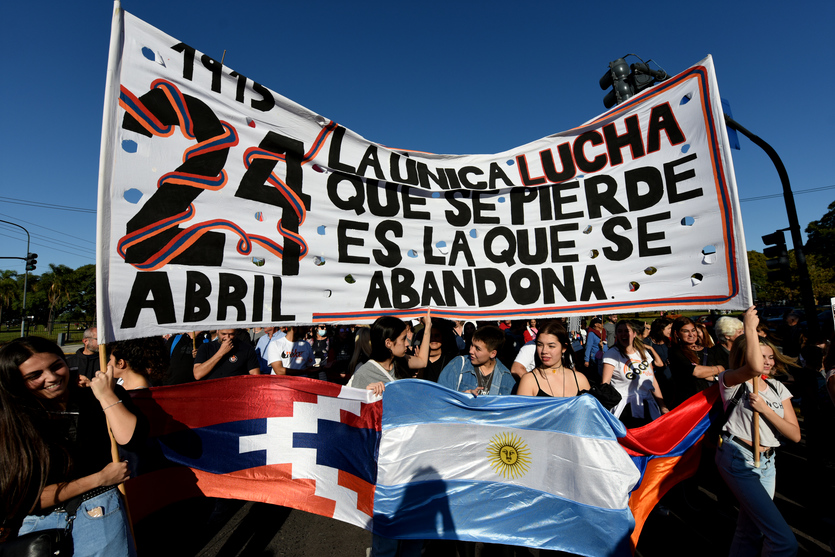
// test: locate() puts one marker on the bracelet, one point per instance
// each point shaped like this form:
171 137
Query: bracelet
111 406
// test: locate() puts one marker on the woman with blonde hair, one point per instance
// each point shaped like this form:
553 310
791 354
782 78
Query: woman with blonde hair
754 359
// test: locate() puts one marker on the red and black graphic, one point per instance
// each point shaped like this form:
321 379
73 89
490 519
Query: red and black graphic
154 236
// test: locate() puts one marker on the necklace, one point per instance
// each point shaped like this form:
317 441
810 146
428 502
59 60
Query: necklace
550 390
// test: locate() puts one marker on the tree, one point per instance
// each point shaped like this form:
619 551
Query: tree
8 290
56 285
822 238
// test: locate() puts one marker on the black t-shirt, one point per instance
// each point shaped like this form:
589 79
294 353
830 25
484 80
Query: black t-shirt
681 370
181 363
237 361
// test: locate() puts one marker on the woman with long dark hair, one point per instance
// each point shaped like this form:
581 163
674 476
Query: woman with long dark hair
56 448
689 361
388 360
760 526
628 367
553 373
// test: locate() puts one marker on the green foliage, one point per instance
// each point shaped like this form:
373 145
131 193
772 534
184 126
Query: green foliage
822 238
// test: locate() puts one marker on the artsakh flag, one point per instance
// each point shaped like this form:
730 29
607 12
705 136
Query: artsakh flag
667 451
289 441
313 446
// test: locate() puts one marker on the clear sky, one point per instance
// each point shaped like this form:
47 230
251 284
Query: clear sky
444 77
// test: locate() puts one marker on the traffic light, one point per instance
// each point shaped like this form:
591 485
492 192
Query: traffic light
627 81
777 257
31 261
616 78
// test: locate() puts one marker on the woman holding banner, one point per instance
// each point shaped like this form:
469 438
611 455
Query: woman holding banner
389 362
56 449
754 359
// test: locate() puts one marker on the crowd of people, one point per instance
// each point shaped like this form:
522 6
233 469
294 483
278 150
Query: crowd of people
54 409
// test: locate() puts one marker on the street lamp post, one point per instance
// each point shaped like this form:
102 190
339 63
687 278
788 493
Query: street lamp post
25 278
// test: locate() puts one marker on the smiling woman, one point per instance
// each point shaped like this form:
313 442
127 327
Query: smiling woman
56 451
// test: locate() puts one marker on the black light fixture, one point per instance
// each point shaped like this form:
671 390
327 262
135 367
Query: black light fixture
627 81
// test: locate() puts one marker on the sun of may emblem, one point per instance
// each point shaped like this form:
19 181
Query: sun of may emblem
509 455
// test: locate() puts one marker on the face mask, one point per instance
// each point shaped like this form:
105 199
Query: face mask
321 332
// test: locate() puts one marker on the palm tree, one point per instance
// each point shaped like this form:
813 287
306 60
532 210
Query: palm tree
56 284
8 289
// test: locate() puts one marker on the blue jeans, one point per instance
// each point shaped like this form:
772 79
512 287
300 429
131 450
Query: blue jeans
759 519
107 535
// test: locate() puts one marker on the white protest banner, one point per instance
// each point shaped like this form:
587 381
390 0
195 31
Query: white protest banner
223 204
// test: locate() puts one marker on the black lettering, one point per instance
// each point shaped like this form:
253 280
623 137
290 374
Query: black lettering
632 139
276 305
597 199
424 175
343 241
188 59
198 289
566 163
524 174
650 176
240 87
464 288
507 255
518 198
645 237
231 292
267 101
460 245
523 247
479 206
463 215
582 162
258 299
402 293
662 118
213 66
463 175
150 290
494 277
672 179
524 295
335 151
550 282
560 200
557 245
355 201
370 158
431 292
391 257
592 285
428 256
409 200
411 170
496 174
378 295
454 184
623 244
391 207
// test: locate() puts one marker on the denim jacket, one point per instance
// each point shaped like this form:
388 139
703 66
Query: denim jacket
460 375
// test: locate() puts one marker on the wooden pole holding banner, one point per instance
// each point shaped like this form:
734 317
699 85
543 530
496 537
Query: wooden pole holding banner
755 439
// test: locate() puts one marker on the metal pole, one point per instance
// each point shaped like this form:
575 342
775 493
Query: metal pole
806 292
25 279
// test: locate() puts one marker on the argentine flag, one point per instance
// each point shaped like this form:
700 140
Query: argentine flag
537 472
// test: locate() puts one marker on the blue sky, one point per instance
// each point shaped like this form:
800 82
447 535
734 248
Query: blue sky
444 77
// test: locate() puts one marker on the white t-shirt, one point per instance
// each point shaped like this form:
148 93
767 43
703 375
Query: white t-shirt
526 355
293 354
741 420
632 378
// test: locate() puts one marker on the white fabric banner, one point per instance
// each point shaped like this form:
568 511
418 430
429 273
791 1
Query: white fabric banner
223 204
